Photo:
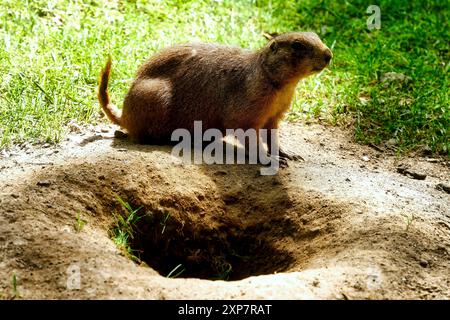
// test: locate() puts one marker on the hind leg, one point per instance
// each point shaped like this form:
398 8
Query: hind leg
119 134
146 111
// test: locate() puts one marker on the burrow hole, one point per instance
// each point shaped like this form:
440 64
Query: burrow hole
181 246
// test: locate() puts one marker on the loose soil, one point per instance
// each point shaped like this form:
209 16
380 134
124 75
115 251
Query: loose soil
343 224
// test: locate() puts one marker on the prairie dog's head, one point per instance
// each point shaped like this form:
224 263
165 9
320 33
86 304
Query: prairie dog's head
295 55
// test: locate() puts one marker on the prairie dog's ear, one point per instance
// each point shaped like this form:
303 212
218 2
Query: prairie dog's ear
273 45
269 36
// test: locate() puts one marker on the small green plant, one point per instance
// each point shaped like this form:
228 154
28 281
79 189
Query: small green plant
15 292
122 239
164 222
176 272
80 223
225 272
409 220
123 231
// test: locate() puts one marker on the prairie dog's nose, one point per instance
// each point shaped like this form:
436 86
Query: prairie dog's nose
328 55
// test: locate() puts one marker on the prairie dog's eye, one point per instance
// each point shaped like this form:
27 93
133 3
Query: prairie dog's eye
298 46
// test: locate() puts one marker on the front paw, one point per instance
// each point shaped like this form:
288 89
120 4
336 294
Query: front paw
282 162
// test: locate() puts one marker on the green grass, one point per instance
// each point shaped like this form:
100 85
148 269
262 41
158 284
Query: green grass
15 295
14 285
176 272
413 40
226 269
163 223
122 233
409 218
79 223
51 53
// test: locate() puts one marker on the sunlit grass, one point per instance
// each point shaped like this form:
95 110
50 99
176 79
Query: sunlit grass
51 53
413 41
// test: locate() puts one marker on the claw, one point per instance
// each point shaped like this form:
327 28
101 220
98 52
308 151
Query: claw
287 155
282 162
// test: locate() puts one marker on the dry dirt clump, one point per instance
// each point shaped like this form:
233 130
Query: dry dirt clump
344 224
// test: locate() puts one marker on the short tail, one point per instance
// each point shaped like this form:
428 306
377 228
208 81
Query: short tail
110 110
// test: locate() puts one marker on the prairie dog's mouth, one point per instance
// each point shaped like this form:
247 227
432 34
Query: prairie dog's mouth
319 68
320 65
323 60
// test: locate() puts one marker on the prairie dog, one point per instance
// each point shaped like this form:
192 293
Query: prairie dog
224 87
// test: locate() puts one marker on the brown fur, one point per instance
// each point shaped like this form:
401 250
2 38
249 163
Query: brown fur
224 87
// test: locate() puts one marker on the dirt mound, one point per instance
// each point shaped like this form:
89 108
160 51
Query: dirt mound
342 224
